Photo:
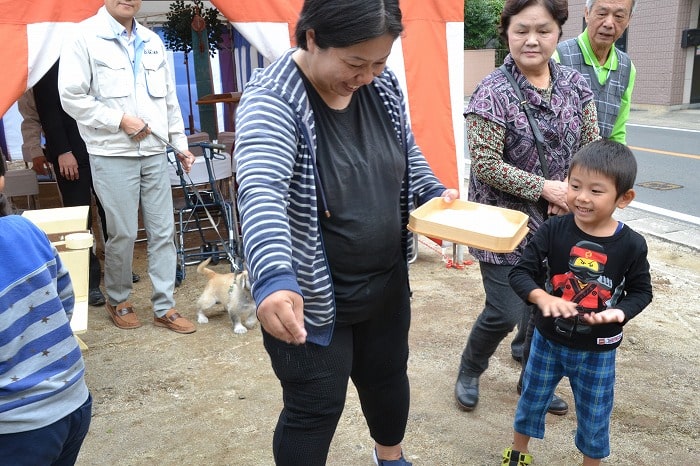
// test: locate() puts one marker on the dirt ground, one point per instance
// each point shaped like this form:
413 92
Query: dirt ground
211 397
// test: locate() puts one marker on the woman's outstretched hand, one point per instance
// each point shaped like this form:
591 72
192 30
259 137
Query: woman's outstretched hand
282 315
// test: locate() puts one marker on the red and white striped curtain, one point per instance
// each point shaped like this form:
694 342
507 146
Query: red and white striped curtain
428 58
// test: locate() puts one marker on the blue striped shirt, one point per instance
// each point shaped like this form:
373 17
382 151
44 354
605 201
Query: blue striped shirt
41 368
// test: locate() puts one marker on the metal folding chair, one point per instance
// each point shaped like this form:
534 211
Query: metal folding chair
23 183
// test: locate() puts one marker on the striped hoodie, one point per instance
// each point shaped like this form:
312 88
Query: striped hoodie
279 190
41 368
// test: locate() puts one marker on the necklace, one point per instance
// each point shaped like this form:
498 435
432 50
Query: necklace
545 92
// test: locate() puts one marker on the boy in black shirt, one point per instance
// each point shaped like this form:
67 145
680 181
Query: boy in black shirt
588 274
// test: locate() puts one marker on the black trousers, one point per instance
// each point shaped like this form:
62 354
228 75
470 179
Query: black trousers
79 192
314 379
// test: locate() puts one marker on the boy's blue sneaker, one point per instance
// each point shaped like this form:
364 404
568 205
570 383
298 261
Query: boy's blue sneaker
399 462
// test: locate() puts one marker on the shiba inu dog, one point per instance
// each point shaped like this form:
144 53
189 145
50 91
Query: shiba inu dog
232 290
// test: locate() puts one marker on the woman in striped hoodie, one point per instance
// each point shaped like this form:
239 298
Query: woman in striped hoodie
328 170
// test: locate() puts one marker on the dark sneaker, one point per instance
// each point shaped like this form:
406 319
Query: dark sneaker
95 297
399 462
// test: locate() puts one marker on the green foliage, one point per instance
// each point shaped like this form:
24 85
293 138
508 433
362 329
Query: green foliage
481 19
178 28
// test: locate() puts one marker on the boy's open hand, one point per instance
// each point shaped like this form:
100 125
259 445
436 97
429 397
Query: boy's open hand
603 317
553 306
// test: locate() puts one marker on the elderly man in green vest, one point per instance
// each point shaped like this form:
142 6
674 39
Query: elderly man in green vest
608 70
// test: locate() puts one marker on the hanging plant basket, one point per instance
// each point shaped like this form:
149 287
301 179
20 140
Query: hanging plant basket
180 18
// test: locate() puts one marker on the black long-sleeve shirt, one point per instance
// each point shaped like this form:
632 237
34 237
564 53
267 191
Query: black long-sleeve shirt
598 273
60 129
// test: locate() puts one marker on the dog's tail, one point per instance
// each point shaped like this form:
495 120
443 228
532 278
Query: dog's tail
202 268
242 280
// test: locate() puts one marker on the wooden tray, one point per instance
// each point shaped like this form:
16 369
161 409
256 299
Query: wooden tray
482 226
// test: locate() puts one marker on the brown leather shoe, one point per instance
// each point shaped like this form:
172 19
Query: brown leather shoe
174 321
123 315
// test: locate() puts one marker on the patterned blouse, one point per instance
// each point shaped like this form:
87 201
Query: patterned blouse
505 168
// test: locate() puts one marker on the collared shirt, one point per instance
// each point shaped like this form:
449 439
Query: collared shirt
97 92
126 39
602 71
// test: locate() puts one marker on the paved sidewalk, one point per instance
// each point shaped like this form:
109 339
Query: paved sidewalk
671 226
681 119
649 221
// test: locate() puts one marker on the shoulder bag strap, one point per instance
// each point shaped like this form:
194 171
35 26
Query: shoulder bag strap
539 139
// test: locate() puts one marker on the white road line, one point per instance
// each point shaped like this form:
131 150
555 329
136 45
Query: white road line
665 212
663 127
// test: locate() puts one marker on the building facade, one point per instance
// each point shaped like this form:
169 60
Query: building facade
668 69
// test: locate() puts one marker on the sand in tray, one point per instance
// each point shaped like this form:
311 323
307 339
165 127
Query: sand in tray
484 221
